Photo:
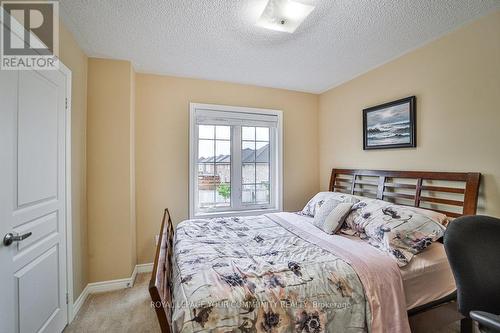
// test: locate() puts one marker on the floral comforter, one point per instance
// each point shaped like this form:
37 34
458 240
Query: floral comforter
250 274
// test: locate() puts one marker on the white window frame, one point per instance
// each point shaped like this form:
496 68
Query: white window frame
276 173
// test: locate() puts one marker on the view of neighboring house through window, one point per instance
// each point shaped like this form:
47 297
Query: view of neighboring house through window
235 160
255 164
214 166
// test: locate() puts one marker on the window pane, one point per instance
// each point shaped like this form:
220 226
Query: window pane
262 172
262 193
223 171
255 158
206 131
223 132
262 153
248 173
248 151
223 195
205 169
262 133
205 150
223 151
260 145
248 133
223 185
206 193
248 194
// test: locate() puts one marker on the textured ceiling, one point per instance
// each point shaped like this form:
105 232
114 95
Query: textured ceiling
218 39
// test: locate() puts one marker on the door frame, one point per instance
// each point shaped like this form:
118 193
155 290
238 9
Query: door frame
69 221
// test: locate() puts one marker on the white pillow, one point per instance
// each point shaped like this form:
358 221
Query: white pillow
330 220
310 207
323 209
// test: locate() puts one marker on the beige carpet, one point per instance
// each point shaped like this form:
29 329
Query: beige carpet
129 310
126 310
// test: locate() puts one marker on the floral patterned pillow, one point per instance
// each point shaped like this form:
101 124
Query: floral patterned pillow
316 202
361 213
401 231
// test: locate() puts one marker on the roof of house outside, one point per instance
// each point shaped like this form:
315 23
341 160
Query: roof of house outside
262 156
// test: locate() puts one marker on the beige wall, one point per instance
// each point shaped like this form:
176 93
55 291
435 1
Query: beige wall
454 78
457 83
162 142
110 181
73 57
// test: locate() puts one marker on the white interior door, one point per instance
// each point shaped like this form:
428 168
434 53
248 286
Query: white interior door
33 281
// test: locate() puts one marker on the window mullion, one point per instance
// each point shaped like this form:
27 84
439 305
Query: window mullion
255 167
272 167
195 170
214 173
236 181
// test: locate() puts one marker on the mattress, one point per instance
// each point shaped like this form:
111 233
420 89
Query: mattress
428 277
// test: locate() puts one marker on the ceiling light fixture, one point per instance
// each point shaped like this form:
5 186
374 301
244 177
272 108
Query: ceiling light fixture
284 15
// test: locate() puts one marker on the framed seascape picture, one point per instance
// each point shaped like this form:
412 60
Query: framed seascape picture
390 125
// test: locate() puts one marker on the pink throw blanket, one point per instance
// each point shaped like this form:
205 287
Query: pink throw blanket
379 274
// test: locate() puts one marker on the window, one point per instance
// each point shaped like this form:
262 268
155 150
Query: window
235 160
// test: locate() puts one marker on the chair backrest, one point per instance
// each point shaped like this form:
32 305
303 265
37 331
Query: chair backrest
472 244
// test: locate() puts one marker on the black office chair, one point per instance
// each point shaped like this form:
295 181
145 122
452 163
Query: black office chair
472 245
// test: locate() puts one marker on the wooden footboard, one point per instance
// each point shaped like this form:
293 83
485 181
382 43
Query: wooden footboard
160 285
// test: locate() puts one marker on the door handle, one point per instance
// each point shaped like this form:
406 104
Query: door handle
10 238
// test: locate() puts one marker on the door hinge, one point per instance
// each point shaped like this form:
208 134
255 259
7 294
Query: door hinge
66 103
67 298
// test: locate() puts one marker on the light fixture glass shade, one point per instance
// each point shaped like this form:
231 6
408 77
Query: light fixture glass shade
284 15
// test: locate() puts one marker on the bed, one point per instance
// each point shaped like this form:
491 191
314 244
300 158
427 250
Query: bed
253 274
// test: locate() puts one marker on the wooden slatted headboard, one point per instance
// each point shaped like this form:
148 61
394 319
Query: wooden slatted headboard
451 193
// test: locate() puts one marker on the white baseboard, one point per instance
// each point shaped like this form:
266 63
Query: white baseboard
104 286
144 268
77 305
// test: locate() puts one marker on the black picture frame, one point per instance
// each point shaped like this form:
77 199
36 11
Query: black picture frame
399 133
